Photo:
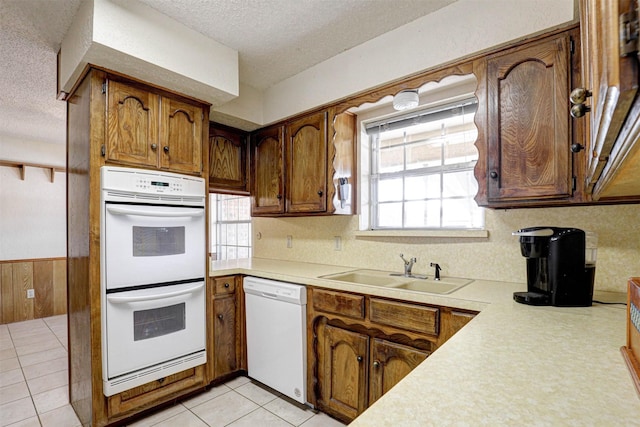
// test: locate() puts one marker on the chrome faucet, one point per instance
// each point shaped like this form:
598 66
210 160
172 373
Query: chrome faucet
408 265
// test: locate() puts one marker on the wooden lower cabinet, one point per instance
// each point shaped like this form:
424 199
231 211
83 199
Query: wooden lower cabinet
390 363
343 378
360 346
225 348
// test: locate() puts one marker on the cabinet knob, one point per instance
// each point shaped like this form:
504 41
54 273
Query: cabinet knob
576 148
320 193
376 364
166 148
579 110
220 316
279 196
359 358
493 175
226 285
579 95
154 146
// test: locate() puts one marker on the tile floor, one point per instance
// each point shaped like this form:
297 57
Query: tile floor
34 389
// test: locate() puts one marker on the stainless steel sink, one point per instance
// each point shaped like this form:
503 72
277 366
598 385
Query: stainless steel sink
393 280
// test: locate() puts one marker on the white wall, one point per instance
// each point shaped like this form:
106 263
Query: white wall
458 30
32 214
33 210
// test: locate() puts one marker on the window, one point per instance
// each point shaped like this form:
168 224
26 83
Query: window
422 169
230 226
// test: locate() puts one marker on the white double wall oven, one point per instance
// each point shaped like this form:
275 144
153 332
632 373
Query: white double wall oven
153 263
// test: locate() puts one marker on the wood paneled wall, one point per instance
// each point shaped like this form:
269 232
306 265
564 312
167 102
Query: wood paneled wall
47 277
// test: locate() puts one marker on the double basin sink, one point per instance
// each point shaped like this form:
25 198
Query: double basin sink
386 279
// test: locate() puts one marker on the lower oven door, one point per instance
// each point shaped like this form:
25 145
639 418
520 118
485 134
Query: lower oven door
152 326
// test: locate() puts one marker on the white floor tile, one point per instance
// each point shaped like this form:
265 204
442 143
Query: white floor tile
62 416
260 417
183 419
13 392
48 382
29 422
9 364
38 347
11 377
237 382
255 393
42 356
7 353
51 399
159 416
293 413
44 368
207 395
322 420
15 411
224 409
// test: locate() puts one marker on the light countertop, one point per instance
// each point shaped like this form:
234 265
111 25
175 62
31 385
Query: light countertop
513 364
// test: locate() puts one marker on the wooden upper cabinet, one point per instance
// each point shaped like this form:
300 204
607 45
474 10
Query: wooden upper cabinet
611 76
307 164
181 136
227 160
297 166
528 123
132 125
151 130
267 163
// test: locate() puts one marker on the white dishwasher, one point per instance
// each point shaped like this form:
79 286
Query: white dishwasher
277 335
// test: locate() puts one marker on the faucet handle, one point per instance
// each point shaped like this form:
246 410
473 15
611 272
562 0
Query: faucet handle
411 260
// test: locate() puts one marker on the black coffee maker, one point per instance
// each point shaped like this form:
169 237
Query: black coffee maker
556 270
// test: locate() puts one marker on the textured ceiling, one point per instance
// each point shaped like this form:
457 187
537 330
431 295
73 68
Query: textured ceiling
276 39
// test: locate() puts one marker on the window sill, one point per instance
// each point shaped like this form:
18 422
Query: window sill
453 233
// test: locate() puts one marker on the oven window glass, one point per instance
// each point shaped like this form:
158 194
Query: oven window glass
158 241
158 321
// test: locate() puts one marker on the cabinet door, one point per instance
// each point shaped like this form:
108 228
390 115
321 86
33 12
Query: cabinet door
391 362
227 160
181 136
225 355
267 162
132 125
344 371
528 122
612 78
307 164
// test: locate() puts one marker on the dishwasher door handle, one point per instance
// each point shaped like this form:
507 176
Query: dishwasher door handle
268 295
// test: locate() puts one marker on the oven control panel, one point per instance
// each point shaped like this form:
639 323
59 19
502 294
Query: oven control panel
126 182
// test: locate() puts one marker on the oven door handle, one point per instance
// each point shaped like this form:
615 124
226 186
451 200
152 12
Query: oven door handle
116 299
118 210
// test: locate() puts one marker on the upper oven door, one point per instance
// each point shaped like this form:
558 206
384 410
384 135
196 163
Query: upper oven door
153 244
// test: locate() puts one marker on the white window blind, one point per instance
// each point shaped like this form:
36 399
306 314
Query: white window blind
422 169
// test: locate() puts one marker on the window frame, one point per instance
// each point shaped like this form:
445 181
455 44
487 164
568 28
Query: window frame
371 147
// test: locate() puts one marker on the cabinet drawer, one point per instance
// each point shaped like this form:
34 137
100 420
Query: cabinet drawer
153 393
340 303
224 285
406 316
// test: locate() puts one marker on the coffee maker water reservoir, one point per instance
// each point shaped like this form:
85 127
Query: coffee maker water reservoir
558 272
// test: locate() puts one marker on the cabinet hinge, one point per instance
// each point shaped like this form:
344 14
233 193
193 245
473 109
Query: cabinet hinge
629 29
103 151
104 87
